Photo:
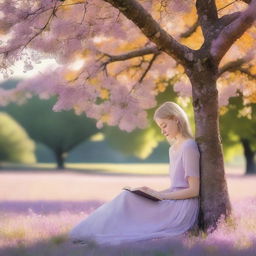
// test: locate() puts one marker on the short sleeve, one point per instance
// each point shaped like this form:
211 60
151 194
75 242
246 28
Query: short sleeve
191 160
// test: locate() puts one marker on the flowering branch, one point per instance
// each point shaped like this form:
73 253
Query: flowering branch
228 35
152 30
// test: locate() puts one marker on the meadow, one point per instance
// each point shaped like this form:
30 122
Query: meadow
39 207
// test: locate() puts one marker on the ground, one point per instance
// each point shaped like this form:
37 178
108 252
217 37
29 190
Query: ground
38 208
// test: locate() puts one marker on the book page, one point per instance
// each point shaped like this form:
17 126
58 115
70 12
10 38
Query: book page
144 193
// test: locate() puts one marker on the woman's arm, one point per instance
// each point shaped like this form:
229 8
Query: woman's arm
178 194
164 191
153 190
191 191
157 193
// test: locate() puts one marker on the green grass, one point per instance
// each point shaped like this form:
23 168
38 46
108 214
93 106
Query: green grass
105 168
152 168
109 168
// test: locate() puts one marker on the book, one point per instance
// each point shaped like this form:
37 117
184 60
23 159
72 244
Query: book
143 193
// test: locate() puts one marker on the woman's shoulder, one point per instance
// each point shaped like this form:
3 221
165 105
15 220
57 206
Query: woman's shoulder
190 144
190 141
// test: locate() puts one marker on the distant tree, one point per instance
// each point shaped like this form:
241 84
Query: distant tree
61 131
139 143
238 122
15 145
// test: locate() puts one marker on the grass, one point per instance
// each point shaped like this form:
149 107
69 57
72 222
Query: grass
37 209
109 168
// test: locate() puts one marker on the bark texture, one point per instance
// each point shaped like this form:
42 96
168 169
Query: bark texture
214 197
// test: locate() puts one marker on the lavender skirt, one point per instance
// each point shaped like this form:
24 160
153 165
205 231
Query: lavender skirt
130 218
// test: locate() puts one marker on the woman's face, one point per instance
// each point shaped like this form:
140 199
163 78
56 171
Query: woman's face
169 127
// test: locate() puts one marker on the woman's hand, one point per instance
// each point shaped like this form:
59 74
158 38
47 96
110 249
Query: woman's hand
157 194
160 195
145 188
128 187
152 191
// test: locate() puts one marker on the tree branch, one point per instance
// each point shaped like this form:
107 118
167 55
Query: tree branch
229 18
247 1
207 15
144 73
132 54
113 58
149 50
236 65
247 72
232 32
232 66
190 30
151 29
41 29
148 67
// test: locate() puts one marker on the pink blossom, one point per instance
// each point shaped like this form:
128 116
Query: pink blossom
183 87
93 31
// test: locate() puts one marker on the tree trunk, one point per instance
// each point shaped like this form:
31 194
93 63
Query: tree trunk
60 159
249 156
214 198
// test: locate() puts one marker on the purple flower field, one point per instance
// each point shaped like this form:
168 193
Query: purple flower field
38 209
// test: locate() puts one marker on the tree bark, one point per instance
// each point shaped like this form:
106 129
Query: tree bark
249 156
60 159
214 198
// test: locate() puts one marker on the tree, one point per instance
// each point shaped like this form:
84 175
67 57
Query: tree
61 132
90 42
238 126
139 143
15 145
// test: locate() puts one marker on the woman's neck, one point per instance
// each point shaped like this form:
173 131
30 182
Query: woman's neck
177 140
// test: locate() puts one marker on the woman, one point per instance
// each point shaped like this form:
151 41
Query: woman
129 217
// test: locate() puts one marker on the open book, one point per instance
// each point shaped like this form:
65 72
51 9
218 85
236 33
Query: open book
141 192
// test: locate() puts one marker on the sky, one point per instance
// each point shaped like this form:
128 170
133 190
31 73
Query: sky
19 74
45 65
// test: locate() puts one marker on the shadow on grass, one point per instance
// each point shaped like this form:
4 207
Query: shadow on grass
49 207
60 245
100 172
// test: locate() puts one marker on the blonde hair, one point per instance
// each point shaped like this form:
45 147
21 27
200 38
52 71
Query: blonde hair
171 110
